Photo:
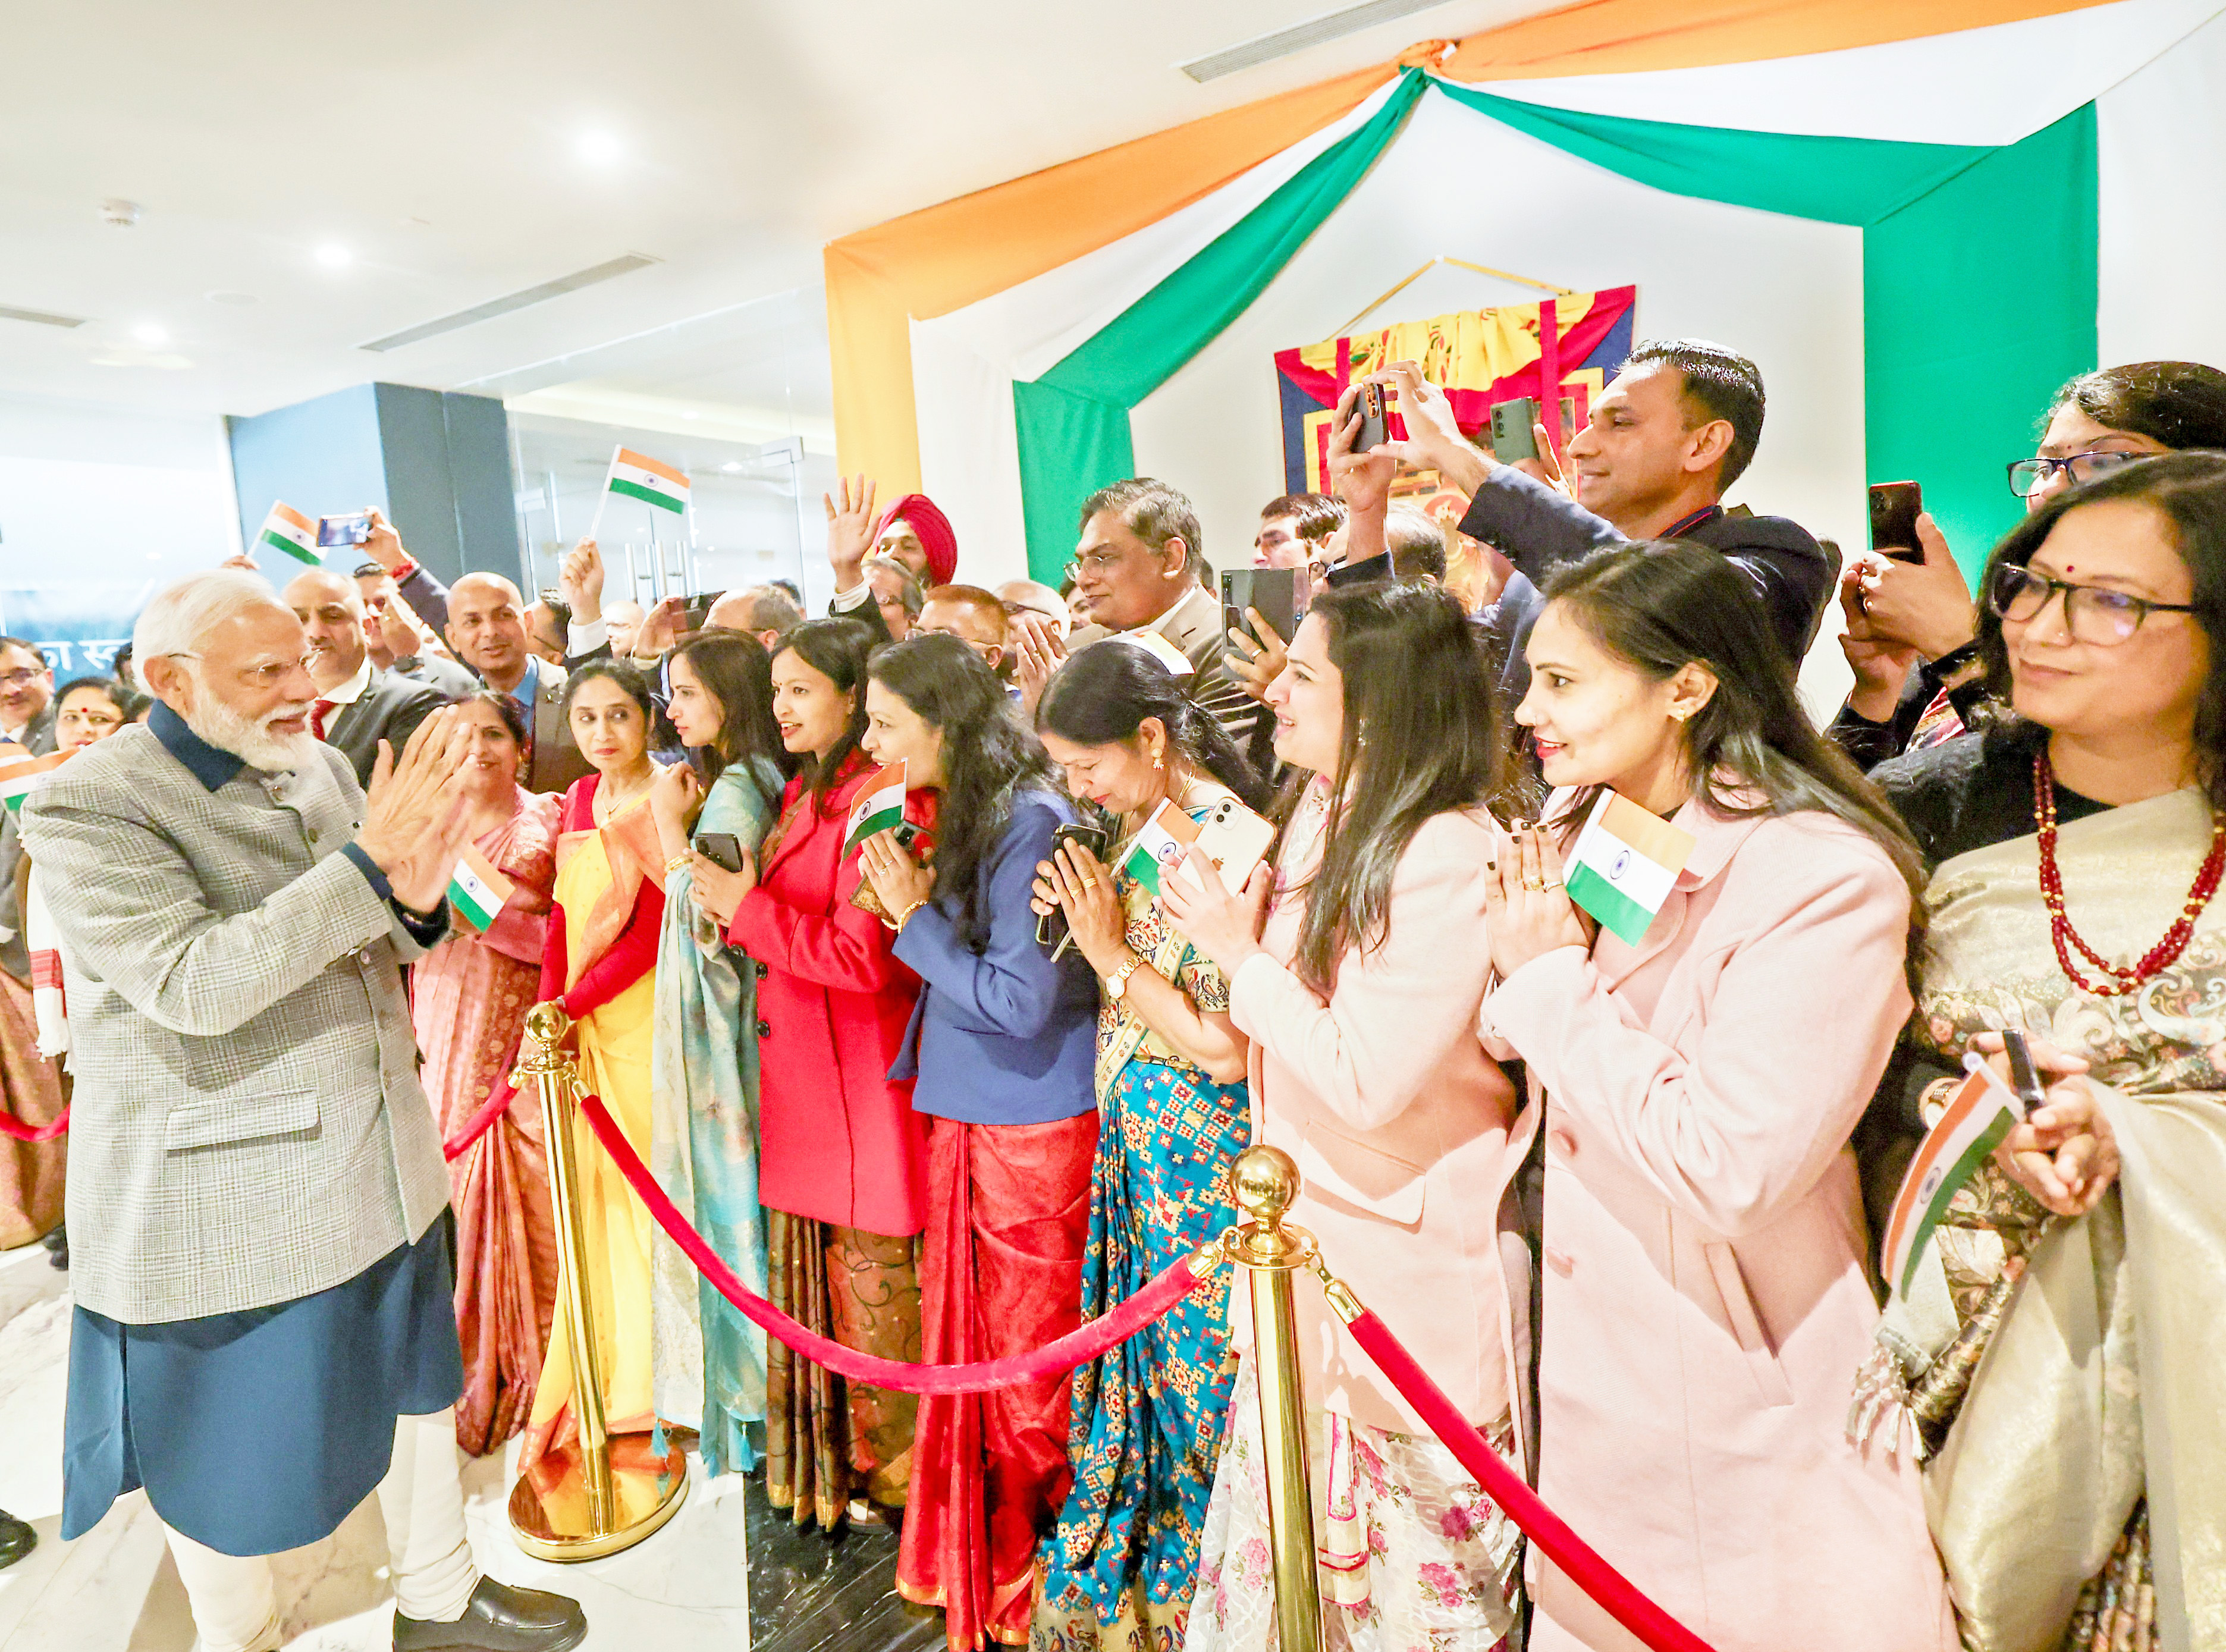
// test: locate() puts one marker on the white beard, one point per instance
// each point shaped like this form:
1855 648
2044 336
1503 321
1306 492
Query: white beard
252 741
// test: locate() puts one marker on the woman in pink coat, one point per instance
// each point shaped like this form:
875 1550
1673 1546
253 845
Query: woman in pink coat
1705 1297
1359 996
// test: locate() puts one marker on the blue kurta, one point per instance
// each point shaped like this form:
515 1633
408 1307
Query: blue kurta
259 1431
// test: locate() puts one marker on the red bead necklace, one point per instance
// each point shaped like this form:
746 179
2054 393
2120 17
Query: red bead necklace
2158 958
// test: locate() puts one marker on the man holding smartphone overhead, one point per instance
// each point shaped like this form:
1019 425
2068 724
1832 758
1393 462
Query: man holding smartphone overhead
1671 433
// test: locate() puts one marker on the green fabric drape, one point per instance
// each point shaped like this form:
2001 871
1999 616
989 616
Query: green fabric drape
1072 423
1979 293
1978 275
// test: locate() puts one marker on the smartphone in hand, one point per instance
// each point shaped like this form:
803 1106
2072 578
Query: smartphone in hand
1051 928
1374 433
721 849
351 529
698 609
1514 433
1894 510
1272 591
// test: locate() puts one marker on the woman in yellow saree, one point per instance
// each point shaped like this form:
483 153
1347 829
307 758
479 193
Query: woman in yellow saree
601 965
2056 1358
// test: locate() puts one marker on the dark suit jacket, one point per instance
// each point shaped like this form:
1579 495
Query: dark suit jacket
389 708
556 759
1542 531
38 738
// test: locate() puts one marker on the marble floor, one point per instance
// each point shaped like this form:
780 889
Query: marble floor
725 1572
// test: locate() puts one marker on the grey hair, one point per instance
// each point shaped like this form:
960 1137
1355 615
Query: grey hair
180 617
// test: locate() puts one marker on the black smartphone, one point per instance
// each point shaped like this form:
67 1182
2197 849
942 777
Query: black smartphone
906 833
1273 591
1373 431
1894 508
1051 928
698 609
351 529
720 848
2024 1078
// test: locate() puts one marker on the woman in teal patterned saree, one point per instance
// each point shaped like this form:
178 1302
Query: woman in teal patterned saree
1117 1570
708 1362
2056 1358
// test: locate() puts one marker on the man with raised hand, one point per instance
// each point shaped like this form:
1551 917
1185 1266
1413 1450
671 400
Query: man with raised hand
1676 427
264 1333
358 705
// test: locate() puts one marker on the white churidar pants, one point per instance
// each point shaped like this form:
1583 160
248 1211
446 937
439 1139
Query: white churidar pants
236 1605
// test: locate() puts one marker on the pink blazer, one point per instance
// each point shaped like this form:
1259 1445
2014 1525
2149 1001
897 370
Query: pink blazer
1705 1301
1398 1120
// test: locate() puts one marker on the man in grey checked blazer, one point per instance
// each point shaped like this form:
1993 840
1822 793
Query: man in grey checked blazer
264 1331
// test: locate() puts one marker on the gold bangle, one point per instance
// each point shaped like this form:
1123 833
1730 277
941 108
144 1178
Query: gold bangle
679 862
898 923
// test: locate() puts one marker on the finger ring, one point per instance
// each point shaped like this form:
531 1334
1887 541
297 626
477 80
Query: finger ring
1090 883
1533 883
1554 884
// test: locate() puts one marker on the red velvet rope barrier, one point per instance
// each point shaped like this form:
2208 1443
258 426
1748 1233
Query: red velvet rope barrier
1175 1281
1616 1593
481 1122
16 1130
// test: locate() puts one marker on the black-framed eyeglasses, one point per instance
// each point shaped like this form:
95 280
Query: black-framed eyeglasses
2092 613
2029 476
1098 561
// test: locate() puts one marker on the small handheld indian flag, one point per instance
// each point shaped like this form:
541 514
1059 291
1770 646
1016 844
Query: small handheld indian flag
287 529
1626 861
1983 1111
879 808
651 480
1159 845
478 890
20 772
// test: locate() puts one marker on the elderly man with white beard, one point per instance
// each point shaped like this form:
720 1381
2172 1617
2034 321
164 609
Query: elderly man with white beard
263 1333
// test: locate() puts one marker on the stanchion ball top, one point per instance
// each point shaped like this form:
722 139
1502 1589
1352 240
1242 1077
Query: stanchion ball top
1265 1181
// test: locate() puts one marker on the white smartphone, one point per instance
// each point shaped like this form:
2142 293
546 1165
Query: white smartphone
1235 839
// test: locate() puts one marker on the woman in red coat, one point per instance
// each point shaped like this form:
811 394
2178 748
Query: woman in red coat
842 1156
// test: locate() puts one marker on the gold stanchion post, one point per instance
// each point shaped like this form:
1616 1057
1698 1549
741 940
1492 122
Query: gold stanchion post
1265 1180
579 1503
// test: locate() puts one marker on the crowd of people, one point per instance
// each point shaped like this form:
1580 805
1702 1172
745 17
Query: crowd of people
945 1085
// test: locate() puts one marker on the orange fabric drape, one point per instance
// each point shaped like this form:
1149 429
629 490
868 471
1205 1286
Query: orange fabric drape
939 259
1622 36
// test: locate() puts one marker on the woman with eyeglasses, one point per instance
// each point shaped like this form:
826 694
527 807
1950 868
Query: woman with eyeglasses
2065 1322
1912 627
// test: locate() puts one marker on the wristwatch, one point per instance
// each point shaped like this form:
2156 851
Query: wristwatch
1116 984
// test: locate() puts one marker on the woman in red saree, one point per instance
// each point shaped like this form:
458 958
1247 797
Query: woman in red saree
470 996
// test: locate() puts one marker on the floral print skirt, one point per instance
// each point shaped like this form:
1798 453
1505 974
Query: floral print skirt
1412 1556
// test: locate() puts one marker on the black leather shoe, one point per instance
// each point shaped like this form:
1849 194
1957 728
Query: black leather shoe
499 1619
16 1540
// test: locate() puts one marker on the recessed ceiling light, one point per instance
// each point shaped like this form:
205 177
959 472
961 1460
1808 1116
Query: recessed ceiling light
730 468
148 333
232 298
333 255
691 415
599 146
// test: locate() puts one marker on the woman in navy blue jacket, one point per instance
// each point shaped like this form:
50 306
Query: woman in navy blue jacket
1001 1048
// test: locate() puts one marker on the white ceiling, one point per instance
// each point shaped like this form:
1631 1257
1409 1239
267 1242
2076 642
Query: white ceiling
441 146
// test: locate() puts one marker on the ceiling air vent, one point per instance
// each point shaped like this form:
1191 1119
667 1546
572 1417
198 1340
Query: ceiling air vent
8 313
1334 25
494 307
